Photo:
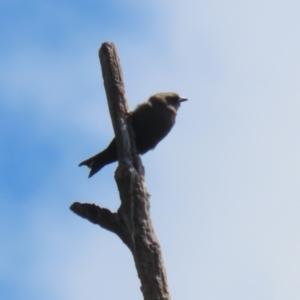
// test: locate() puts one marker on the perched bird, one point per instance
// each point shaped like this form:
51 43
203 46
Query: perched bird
151 121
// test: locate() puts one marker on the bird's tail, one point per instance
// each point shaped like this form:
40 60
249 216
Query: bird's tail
95 163
98 161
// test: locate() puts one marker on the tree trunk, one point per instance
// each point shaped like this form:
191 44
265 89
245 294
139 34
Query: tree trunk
132 222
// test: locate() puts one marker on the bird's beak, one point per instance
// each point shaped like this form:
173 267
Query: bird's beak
182 99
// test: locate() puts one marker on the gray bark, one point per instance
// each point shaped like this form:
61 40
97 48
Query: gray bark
132 222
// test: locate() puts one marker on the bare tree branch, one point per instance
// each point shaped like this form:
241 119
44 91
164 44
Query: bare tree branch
132 222
97 215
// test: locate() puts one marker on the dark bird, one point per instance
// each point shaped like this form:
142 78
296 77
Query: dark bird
151 121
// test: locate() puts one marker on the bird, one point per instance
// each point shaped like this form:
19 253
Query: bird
151 122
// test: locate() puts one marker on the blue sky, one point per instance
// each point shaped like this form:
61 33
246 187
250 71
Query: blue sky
224 184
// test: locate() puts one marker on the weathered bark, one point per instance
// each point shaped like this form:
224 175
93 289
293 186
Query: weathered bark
132 221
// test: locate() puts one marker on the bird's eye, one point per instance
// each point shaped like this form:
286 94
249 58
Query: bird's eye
173 100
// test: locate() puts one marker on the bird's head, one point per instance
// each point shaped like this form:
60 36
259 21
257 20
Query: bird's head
167 99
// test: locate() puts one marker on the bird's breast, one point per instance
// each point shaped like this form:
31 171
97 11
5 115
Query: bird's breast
151 125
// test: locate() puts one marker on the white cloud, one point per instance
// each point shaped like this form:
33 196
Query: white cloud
228 176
